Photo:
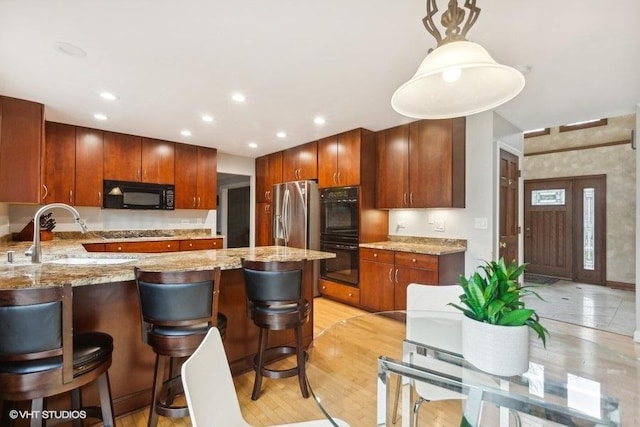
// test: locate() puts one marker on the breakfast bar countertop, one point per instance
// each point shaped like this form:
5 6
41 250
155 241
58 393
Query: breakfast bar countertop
22 274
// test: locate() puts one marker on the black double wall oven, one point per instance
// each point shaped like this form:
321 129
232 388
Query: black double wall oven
339 225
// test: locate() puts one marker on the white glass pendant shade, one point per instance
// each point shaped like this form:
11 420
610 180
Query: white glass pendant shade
457 79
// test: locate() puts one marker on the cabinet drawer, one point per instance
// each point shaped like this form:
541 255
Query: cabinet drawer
200 244
345 293
409 259
94 247
148 247
376 255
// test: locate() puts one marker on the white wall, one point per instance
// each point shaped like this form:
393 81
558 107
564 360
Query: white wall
636 334
484 134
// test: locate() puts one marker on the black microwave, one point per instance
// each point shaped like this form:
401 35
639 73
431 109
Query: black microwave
137 195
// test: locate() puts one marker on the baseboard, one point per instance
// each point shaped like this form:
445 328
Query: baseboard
621 285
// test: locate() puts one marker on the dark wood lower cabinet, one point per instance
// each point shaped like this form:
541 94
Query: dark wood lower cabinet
385 275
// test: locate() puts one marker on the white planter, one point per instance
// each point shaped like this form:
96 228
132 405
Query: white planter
498 350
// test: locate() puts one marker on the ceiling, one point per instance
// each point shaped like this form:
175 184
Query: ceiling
170 61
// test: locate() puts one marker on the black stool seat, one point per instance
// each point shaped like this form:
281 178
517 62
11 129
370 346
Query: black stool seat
178 308
36 358
275 302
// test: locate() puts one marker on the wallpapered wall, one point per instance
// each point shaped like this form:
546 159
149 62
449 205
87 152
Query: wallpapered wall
618 162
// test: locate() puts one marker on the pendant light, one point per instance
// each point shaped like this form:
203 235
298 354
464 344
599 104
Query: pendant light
458 77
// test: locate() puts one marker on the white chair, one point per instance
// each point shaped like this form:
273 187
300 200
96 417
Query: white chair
211 395
428 329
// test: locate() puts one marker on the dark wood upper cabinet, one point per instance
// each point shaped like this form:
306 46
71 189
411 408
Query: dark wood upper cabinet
300 162
73 165
393 167
207 178
21 140
422 165
122 157
268 172
195 177
60 163
343 158
437 163
157 161
89 166
134 158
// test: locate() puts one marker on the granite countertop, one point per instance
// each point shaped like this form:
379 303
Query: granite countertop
419 245
22 274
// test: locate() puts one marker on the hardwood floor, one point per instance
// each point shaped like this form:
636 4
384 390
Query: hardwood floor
281 401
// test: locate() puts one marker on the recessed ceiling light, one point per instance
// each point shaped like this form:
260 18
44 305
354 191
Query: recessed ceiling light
109 96
253 145
185 132
69 49
238 97
207 118
281 134
319 120
100 116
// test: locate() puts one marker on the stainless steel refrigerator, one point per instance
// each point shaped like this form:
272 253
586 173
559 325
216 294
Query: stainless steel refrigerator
296 218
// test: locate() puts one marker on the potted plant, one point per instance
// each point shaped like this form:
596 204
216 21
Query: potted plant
496 323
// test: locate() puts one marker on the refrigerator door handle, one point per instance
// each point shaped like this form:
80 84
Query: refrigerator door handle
286 216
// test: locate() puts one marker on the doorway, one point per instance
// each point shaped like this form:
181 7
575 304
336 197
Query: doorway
509 199
234 210
565 228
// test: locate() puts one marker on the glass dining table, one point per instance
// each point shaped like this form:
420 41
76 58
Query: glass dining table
365 371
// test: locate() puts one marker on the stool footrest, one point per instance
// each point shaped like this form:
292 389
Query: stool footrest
274 354
165 406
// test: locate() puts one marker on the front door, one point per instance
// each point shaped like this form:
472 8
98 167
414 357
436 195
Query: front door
565 232
509 185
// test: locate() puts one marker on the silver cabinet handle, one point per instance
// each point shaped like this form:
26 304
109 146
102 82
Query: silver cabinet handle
71 196
404 199
46 192
411 199
390 273
100 197
396 275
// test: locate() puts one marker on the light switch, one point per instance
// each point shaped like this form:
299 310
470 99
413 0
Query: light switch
438 225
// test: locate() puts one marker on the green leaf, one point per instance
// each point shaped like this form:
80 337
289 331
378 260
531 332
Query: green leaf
464 422
517 317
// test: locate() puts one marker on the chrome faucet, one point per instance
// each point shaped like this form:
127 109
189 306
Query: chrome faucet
34 251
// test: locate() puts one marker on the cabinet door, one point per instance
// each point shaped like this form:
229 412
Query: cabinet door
186 175
89 167
264 231
349 158
328 162
436 163
157 161
207 179
21 138
301 162
393 167
144 247
376 285
268 172
60 163
122 157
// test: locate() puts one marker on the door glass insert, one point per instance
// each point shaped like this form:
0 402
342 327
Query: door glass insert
588 236
553 197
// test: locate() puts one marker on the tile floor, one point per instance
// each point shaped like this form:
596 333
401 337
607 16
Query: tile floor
594 306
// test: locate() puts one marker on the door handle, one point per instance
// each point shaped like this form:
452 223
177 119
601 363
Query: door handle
502 245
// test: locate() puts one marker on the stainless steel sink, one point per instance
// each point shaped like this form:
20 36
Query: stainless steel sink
89 261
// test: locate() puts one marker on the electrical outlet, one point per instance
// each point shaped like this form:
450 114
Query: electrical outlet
438 225
481 223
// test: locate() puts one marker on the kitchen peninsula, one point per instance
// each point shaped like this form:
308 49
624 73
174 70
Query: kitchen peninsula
105 299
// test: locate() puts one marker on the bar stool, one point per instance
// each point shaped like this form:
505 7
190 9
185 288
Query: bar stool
177 308
275 301
41 357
